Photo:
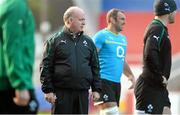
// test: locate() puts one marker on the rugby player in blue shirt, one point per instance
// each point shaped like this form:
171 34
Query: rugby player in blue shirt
111 46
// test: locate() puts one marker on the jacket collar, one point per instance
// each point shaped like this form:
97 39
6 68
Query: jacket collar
69 33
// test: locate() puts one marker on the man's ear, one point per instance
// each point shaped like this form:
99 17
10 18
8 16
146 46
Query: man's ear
70 20
112 20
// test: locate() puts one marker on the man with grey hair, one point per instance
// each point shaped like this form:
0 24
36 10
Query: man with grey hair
70 67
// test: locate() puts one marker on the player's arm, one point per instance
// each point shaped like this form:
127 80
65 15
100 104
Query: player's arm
127 72
47 67
13 37
98 40
96 84
14 47
151 56
47 71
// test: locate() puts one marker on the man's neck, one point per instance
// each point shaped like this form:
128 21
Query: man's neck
73 34
111 29
162 19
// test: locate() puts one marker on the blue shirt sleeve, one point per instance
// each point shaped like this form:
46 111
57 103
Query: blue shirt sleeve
99 39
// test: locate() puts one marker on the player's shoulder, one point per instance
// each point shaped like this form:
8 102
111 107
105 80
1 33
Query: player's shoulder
156 26
101 32
87 37
54 37
122 35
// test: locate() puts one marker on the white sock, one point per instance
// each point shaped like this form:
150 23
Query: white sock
140 112
110 111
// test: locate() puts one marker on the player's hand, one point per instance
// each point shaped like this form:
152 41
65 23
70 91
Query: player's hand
133 81
22 97
50 97
96 96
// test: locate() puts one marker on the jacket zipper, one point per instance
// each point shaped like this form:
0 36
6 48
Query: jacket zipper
75 57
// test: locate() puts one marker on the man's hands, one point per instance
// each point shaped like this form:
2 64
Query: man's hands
22 97
133 81
95 95
127 71
50 97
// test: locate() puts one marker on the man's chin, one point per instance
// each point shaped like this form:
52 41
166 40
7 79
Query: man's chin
120 30
171 22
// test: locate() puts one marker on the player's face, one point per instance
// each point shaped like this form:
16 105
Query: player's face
171 17
119 23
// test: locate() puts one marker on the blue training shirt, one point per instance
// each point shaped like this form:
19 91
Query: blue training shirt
112 52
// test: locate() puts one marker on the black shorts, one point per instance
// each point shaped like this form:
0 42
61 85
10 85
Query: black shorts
150 99
110 91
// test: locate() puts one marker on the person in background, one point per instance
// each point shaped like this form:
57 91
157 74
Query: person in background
16 58
111 46
70 67
151 88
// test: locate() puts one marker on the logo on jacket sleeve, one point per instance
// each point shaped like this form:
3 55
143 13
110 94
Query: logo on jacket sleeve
156 37
85 43
63 41
20 21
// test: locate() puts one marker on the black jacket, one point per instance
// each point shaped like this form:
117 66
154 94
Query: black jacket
70 62
157 54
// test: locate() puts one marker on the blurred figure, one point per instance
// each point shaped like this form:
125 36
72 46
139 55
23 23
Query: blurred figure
151 87
16 58
70 66
111 46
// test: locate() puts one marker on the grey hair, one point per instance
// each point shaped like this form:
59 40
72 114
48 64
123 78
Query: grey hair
69 12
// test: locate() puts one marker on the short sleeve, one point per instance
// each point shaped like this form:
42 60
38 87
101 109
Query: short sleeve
99 39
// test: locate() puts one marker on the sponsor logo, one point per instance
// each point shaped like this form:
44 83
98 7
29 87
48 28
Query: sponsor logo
156 37
63 41
105 97
33 105
85 43
20 21
167 8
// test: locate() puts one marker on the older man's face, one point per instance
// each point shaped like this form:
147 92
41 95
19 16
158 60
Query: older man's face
78 21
